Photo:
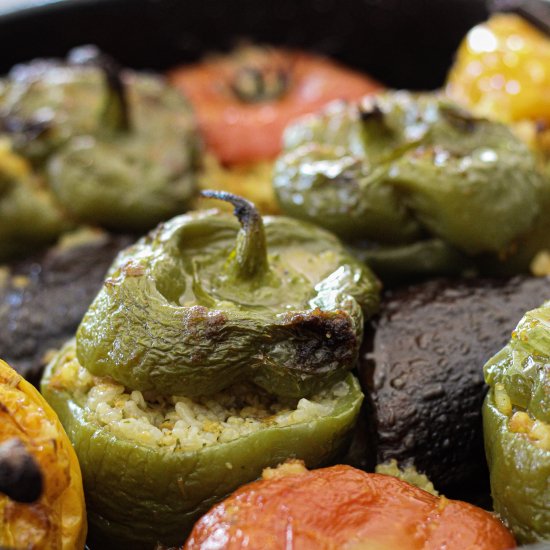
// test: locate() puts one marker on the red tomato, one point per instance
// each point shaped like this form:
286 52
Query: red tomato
246 99
344 508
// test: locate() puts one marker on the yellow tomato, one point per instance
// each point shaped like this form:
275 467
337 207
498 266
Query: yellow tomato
57 521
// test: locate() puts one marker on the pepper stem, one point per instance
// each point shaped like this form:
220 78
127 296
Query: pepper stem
259 75
117 103
250 254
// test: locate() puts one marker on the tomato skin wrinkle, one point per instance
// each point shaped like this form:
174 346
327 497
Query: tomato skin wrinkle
238 131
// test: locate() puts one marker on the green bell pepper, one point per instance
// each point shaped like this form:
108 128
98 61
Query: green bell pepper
138 494
205 301
401 169
516 418
114 147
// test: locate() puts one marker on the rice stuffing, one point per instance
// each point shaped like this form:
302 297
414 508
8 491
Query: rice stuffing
182 423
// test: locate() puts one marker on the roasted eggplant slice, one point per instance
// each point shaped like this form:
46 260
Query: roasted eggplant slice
423 372
43 299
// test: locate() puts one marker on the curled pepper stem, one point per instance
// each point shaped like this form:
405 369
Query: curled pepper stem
250 255
20 475
91 56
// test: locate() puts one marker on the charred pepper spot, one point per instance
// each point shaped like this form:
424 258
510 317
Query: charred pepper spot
203 322
369 110
331 336
133 269
20 475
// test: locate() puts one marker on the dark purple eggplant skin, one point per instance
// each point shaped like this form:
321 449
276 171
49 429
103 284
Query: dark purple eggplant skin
43 299
423 373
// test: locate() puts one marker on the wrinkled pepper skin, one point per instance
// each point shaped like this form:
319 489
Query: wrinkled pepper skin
111 147
516 418
402 168
57 520
201 303
138 495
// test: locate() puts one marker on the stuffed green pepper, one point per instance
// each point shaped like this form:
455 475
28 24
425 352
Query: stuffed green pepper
217 346
111 147
516 417
413 181
205 301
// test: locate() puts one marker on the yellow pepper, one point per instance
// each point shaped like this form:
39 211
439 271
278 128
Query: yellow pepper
502 71
57 520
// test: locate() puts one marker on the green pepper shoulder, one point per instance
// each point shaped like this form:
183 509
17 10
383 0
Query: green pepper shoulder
400 168
205 301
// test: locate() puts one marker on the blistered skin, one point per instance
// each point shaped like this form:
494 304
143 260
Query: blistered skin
138 494
516 417
205 301
403 170
344 508
57 520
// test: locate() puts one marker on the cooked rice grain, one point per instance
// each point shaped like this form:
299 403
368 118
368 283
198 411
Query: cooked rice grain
178 422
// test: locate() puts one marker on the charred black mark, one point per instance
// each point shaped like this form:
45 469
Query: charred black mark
329 334
20 475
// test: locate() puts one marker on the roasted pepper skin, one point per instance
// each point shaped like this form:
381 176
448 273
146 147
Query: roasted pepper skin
516 418
182 311
402 168
57 520
100 145
138 495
